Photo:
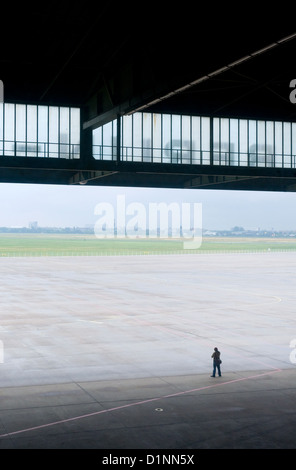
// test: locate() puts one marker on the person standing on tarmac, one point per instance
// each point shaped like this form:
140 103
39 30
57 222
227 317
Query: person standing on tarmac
216 362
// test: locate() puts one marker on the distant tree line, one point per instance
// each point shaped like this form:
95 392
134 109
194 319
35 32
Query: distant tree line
234 232
66 230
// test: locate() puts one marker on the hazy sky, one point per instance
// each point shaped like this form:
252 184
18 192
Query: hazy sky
68 206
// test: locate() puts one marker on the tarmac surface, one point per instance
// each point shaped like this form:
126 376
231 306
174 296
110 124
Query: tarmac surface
115 352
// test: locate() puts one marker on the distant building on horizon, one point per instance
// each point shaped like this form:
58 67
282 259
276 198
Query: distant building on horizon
33 225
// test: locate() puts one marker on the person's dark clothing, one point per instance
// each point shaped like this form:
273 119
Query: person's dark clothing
216 362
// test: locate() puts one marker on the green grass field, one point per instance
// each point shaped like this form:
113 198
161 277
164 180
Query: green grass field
89 245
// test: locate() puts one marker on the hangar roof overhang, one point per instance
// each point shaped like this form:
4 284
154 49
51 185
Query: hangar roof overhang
115 58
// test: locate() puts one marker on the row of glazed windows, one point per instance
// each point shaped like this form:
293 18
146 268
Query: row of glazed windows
54 132
165 138
39 131
157 138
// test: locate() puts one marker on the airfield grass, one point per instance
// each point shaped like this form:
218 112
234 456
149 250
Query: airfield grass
88 245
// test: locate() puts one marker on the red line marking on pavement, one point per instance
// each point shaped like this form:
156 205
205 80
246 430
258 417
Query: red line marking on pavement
109 410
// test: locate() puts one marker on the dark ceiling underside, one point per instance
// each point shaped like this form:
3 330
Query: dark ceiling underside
110 58
73 52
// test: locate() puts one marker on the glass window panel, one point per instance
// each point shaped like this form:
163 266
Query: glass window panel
147 129
97 143
65 125
166 138
176 139
243 142
261 143
278 134
75 132
252 143
107 141
270 143
53 124
205 140
287 144
43 131
195 140
233 145
107 134
31 131
97 136
21 122
75 126
225 134
9 128
224 142
216 141
216 134
137 137
53 135
127 127
176 128
21 128
156 136
147 136
32 123
186 139
287 138
104 142
114 139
